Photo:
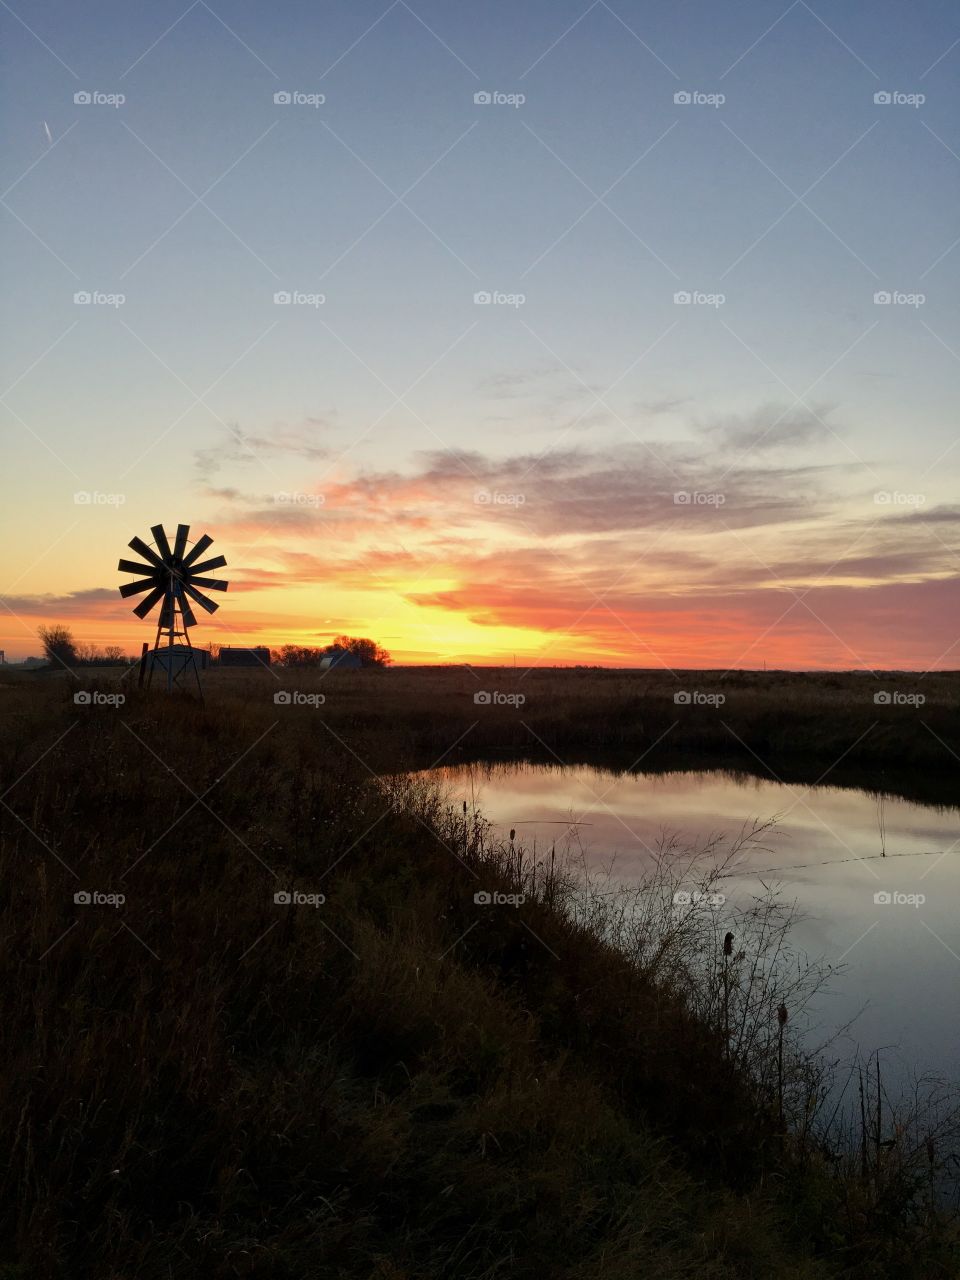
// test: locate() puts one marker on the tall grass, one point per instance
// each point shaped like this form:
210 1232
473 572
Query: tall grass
798 726
399 1083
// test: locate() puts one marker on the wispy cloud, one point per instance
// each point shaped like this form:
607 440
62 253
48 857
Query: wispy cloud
238 447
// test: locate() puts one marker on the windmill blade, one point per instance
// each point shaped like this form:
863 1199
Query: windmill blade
201 599
198 548
180 546
140 547
216 563
137 588
189 618
211 584
131 566
160 538
145 605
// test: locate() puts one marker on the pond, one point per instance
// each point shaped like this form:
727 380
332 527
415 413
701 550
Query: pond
875 878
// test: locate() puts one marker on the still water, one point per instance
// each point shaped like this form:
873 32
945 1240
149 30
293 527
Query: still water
877 880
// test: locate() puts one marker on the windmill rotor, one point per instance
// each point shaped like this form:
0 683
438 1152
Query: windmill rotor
172 577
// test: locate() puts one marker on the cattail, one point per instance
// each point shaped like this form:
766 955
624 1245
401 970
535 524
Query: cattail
512 834
879 1133
727 953
782 1020
931 1159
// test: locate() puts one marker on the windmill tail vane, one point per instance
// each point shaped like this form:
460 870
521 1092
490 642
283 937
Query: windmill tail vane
175 579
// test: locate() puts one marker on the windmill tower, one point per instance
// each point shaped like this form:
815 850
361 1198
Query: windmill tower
172 577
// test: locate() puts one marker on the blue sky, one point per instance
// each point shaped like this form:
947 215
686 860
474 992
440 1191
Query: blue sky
797 198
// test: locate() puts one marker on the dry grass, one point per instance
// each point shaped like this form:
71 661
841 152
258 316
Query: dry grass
792 725
396 1084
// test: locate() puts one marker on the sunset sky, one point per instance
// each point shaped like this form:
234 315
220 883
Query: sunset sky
583 469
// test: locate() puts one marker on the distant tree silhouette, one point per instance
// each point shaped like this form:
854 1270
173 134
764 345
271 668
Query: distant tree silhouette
298 655
368 651
58 645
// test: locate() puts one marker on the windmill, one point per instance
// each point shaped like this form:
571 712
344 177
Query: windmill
172 577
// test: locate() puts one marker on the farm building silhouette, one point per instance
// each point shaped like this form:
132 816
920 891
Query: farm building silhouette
238 656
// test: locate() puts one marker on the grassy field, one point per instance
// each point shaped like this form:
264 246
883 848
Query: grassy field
396 1083
799 727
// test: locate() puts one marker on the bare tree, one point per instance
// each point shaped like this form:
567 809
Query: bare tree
58 645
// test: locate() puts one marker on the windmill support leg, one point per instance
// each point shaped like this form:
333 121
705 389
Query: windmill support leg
193 660
155 651
173 628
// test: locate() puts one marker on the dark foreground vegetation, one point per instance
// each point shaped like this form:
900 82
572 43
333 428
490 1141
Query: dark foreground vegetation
797 726
398 1083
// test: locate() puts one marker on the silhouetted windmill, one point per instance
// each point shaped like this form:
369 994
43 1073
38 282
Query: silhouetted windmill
172 577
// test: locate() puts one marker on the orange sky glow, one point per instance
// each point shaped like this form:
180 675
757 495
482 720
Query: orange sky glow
436 576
